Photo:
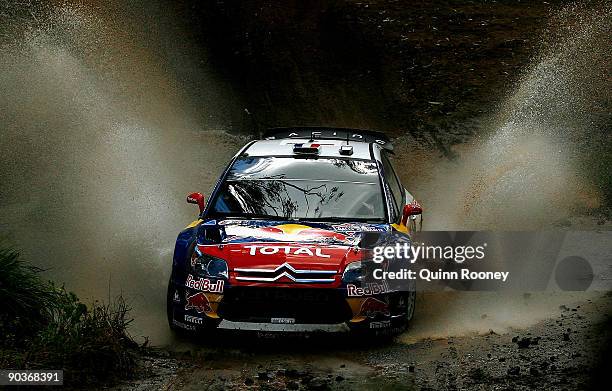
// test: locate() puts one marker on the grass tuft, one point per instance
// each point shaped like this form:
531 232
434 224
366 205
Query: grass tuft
47 327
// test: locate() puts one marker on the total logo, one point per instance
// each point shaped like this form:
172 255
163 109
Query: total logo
287 250
204 284
368 290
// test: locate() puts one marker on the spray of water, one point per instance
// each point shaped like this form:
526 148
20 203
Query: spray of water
101 139
525 171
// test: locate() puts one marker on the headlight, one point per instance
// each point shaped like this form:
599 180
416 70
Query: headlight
353 273
204 265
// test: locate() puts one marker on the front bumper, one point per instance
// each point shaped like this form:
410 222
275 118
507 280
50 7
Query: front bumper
270 305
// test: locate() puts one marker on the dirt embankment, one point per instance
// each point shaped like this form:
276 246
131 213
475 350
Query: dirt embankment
396 66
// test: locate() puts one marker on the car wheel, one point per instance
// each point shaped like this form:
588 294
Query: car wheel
169 307
407 304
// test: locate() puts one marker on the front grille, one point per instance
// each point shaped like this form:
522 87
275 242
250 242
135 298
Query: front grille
254 304
284 273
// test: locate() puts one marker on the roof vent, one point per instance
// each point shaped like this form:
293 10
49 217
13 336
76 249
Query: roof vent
346 150
306 149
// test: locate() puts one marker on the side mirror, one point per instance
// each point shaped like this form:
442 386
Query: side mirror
412 209
196 198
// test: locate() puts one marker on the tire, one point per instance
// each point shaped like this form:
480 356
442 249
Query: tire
409 306
169 307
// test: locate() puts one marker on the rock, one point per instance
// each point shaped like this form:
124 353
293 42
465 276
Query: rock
306 379
566 336
563 308
293 385
263 376
514 371
248 381
339 378
477 373
411 368
524 343
343 366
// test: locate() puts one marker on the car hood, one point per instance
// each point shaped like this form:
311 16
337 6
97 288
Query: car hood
269 245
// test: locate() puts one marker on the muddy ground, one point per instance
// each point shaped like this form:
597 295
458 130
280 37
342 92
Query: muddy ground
569 351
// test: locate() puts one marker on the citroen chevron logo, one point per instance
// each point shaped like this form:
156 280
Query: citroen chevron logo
286 270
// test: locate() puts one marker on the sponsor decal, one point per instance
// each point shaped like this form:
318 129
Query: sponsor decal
182 325
356 227
204 284
368 290
283 320
372 307
239 231
193 319
287 250
198 302
177 298
380 325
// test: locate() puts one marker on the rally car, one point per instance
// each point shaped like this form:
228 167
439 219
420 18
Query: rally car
280 241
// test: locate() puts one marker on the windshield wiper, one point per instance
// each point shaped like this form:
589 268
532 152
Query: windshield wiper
250 216
343 219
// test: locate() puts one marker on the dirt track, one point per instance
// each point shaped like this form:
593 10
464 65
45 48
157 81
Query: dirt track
563 352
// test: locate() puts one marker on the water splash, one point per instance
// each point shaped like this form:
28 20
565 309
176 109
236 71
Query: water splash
527 169
101 139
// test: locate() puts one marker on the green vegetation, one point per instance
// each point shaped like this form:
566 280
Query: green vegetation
46 327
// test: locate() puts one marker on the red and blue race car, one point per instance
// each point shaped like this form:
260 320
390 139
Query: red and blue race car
280 242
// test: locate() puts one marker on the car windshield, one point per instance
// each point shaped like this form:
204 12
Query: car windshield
301 189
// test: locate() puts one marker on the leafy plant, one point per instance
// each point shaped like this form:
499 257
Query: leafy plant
44 326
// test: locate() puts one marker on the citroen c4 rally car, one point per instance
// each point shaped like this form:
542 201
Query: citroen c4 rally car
279 242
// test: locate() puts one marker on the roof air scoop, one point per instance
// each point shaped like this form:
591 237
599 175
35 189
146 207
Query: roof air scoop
306 149
346 150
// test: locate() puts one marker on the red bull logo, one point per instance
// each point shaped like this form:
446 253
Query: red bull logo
372 307
304 231
204 284
368 290
198 302
288 232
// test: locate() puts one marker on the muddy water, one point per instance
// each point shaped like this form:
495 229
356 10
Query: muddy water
109 116
526 170
101 139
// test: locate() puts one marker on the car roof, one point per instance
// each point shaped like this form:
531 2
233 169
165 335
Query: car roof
328 148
